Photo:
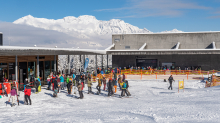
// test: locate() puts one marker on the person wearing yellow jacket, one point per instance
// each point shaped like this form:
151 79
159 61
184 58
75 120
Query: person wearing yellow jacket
98 87
124 87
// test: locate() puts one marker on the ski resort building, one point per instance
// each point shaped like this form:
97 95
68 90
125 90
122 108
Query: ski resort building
184 50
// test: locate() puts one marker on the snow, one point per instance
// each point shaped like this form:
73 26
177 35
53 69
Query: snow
151 101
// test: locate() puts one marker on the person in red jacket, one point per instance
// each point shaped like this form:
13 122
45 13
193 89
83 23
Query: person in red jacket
27 94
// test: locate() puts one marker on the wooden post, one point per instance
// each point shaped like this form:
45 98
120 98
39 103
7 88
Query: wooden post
156 75
187 76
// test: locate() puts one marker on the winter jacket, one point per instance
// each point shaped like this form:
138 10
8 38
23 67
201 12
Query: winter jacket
74 76
25 82
170 79
67 80
13 92
99 82
115 76
82 85
61 79
27 91
79 87
104 81
89 83
124 85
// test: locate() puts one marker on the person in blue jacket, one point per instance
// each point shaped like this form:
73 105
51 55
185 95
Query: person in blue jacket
62 82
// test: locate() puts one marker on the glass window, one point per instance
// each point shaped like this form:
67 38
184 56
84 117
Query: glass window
3 71
127 47
31 71
52 66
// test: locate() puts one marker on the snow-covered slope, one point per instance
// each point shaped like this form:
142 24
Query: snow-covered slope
84 26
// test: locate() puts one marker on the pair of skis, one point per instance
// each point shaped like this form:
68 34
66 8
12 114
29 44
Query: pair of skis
8 102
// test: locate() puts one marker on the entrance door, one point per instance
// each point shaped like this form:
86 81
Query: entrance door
22 73
146 62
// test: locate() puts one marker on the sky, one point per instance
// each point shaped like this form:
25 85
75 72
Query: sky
154 15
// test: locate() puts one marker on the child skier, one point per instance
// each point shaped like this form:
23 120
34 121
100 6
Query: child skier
13 95
80 91
27 94
123 85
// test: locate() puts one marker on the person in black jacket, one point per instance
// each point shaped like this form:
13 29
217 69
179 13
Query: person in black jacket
55 88
25 82
36 85
171 81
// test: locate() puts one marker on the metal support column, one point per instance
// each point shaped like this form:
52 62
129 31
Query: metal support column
16 68
102 62
95 64
37 67
55 64
107 61
80 63
68 64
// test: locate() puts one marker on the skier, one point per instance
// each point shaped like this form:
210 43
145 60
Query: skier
123 77
123 85
110 92
89 85
48 82
104 82
80 91
27 94
55 88
13 95
127 85
36 85
62 82
115 85
98 87
69 84
119 81
170 81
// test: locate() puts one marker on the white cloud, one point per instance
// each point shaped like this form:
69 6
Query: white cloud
145 8
23 35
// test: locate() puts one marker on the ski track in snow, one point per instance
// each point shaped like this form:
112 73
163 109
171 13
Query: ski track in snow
151 101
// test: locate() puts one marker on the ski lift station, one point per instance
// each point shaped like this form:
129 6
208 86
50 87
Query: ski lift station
185 49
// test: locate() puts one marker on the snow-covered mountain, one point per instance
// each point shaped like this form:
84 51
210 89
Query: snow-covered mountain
172 31
84 26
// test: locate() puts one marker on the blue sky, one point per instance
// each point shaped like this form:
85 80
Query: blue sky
155 15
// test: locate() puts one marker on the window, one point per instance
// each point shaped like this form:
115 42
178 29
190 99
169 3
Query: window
127 47
117 40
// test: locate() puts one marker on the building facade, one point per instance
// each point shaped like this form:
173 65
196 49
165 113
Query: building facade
194 50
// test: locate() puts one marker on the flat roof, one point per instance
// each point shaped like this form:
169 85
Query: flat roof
166 33
17 50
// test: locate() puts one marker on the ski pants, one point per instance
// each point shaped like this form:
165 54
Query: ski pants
48 85
98 88
110 91
89 89
128 92
62 85
115 86
69 88
170 86
13 99
28 98
123 92
80 94
37 85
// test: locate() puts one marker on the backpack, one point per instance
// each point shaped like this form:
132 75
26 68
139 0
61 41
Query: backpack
124 85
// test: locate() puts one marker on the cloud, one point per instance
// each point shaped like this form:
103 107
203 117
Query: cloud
146 8
23 35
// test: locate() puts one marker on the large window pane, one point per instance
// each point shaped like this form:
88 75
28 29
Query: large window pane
47 69
31 71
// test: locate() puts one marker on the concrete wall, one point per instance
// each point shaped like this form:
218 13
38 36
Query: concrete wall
167 40
207 62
